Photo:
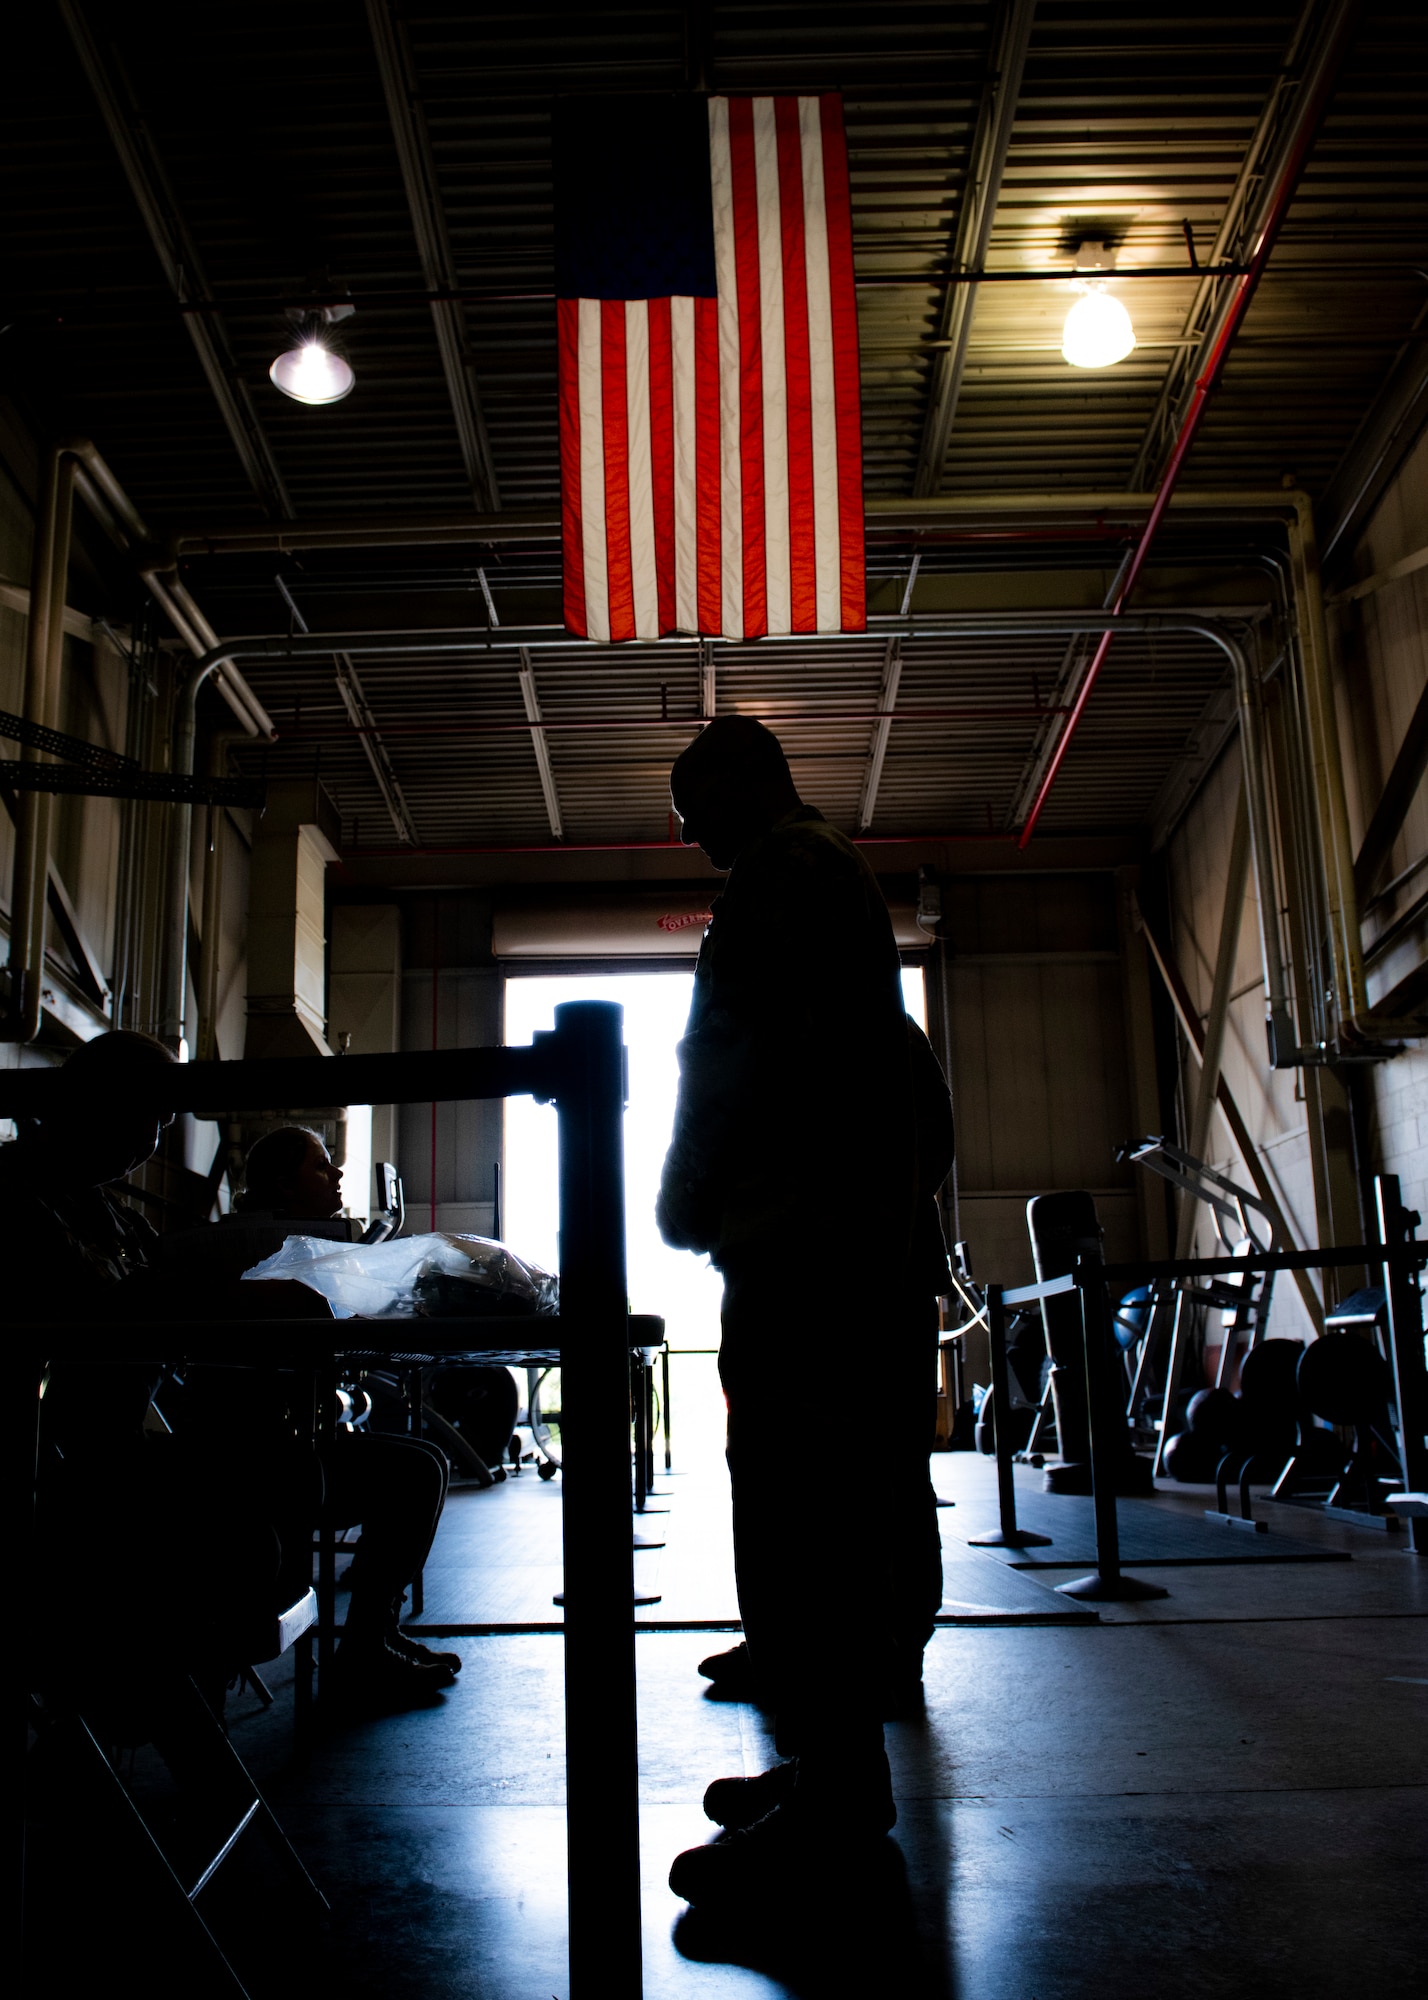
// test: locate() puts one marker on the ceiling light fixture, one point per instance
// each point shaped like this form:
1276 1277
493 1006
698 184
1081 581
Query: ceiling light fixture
313 369
1098 330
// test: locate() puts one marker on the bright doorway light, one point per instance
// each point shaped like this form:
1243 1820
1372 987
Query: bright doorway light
685 1289
914 994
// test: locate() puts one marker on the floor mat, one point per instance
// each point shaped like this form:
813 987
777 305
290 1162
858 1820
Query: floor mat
1151 1535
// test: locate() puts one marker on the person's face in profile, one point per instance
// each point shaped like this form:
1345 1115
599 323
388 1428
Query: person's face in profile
715 815
316 1190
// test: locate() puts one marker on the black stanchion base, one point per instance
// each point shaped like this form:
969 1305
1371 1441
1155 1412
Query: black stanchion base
1098 1589
1018 1538
1237 1521
640 1597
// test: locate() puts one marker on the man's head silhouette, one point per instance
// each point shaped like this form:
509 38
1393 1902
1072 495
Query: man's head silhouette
731 785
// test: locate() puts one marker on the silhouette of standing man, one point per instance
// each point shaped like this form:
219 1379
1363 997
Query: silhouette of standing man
811 1131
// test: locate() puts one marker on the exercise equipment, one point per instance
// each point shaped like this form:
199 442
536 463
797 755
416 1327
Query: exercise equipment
1343 1379
1107 1439
1064 1227
1245 1229
1401 1257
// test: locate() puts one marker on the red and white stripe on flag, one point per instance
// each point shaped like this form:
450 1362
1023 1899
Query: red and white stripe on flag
711 448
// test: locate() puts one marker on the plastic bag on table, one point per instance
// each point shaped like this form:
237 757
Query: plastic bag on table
430 1275
435 1275
474 1274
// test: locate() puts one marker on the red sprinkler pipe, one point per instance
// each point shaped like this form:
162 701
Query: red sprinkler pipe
1319 89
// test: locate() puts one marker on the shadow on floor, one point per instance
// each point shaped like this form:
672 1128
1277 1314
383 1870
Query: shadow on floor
833 1936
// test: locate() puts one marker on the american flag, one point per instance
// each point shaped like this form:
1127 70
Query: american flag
710 428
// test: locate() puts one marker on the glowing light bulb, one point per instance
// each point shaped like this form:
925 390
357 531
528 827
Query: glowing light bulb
1098 331
312 373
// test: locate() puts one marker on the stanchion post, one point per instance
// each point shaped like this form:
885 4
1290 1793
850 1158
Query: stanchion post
416 1424
1106 1585
1008 1535
1407 1357
665 1412
326 1430
601 1749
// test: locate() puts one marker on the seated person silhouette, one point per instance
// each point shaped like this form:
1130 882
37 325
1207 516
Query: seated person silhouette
74 1254
395 1487
288 1189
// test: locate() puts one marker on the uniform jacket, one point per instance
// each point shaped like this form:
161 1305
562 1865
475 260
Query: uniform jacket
796 1128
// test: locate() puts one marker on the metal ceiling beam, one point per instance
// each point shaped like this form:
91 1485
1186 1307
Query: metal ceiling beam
980 194
1243 222
531 702
359 713
887 702
418 164
178 255
364 722
541 747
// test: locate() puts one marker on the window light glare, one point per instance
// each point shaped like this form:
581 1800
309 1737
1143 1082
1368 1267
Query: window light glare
312 373
1098 331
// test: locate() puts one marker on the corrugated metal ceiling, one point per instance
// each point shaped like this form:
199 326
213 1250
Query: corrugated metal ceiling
272 131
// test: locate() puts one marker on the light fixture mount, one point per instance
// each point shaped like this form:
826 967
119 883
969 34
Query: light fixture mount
1095 256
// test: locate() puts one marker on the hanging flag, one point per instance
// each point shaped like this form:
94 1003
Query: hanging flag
710 429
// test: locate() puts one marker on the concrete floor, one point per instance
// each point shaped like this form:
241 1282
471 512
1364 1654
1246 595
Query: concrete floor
1224 1792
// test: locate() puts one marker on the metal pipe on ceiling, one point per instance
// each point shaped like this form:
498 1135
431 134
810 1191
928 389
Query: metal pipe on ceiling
44 653
1336 853
1236 224
175 934
1312 102
666 846
158 572
511 293
280 649
883 515
77 466
585 724
277 649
